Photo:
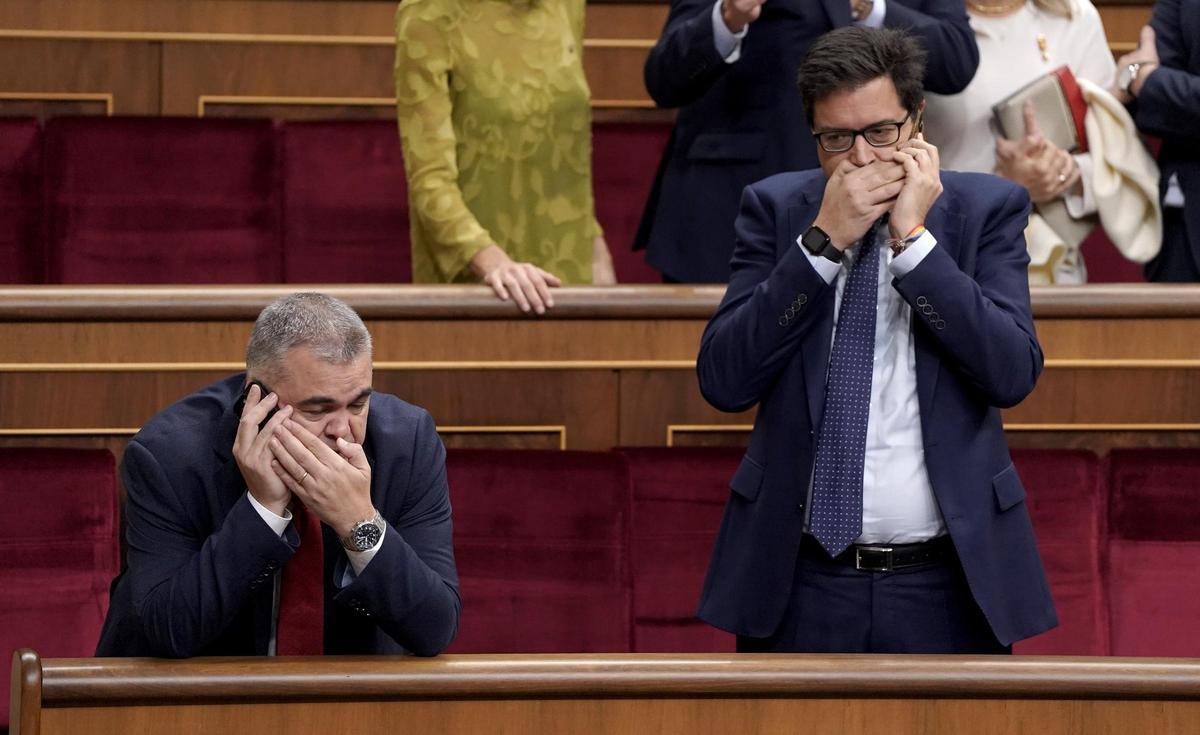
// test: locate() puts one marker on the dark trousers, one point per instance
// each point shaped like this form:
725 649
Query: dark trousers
1175 263
835 608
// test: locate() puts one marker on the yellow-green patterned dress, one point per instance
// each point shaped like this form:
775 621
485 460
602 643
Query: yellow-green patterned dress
495 124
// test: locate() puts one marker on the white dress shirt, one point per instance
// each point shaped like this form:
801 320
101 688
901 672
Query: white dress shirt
729 44
898 502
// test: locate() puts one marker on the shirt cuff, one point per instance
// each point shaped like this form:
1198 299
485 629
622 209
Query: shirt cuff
824 267
360 559
1081 205
904 263
874 19
278 524
728 43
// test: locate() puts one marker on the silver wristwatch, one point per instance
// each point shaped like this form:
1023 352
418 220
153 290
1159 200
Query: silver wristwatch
364 534
1127 76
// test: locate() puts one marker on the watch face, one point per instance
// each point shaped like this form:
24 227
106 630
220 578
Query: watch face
365 535
1125 78
815 240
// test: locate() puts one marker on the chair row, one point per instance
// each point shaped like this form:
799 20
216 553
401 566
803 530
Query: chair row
569 551
197 200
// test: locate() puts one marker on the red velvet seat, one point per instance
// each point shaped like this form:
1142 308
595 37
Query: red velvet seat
1105 264
679 495
1066 500
540 538
625 158
1154 552
22 258
162 200
58 551
345 203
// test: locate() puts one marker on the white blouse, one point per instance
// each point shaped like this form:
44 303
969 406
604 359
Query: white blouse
1010 56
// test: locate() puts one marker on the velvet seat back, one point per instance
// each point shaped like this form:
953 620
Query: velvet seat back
59 551
540 539
22 257
679 495
625 159
162 200
1067 503
1154 552
345 203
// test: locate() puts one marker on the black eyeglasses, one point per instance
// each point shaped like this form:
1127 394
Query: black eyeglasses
878 135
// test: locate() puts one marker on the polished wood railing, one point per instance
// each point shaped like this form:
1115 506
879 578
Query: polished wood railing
617 693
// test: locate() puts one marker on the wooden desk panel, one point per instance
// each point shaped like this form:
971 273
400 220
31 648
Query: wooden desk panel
607 367
642 693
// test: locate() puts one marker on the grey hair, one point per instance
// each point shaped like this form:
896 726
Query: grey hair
327 326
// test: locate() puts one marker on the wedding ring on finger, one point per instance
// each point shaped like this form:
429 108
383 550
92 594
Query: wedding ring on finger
302 478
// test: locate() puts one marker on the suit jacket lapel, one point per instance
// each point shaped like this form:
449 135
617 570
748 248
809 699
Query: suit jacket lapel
814 347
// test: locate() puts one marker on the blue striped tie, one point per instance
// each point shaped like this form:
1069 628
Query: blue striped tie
836 518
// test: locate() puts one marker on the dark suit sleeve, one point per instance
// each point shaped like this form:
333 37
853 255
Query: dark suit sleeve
1168 104
410 587
944 30
983 324
768 308
187 588
684 63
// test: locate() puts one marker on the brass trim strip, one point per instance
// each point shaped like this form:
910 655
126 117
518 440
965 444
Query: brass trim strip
1101 427
97 431
559 429
249 100
266 38
673 429
237 99
384 365
407 365
105 97
619 43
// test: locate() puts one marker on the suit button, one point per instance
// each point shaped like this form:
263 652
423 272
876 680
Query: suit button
921 301
802 298
272 565
940 324
783 322
926 309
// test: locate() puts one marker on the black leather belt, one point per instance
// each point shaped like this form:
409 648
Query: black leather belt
888 557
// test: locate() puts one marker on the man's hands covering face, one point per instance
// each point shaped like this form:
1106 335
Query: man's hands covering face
905 182
922 185
336 485
251 449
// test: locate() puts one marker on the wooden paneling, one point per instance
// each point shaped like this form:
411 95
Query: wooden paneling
667 694
125 73
606 367
305 72
295 59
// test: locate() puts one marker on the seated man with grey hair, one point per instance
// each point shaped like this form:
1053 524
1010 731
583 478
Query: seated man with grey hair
288 509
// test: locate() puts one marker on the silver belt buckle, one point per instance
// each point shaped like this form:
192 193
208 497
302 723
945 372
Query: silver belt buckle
885 550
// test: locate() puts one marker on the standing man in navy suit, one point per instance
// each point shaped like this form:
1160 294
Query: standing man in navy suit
730 66
878 315
223 486
1160 81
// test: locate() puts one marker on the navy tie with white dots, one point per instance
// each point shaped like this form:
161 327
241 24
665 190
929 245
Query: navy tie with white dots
836 518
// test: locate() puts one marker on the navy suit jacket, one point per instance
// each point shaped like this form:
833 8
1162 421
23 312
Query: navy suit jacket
201 561
1168 105
742 122
976 350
